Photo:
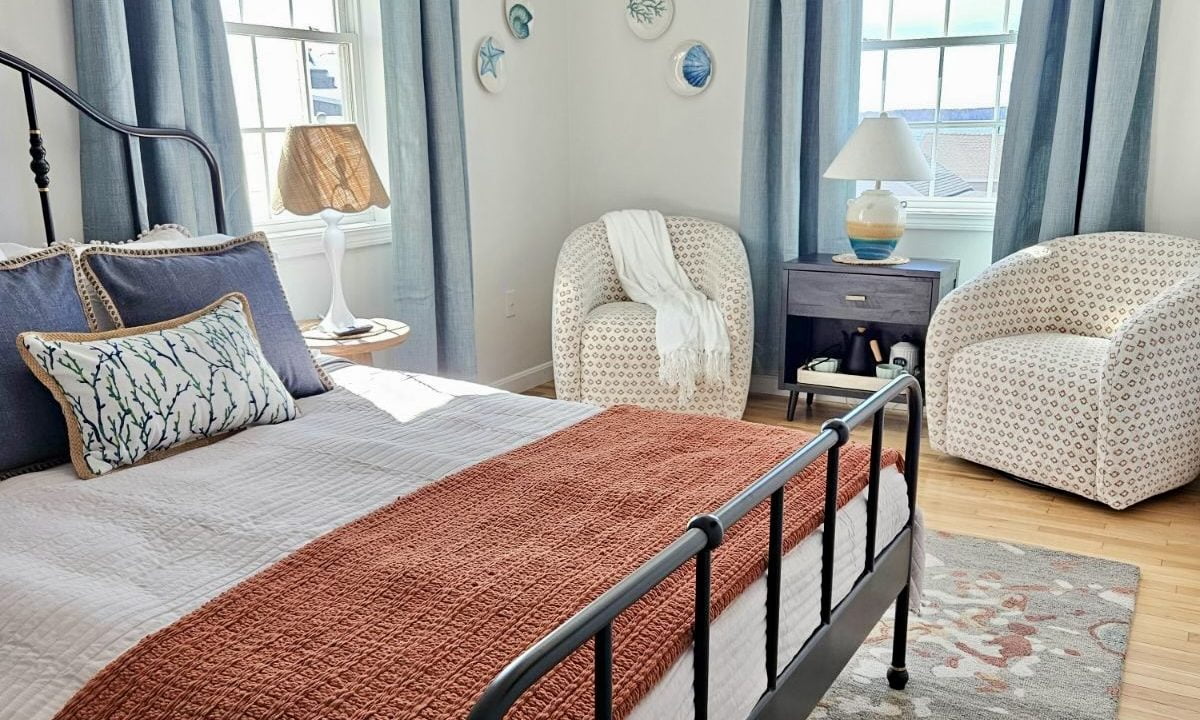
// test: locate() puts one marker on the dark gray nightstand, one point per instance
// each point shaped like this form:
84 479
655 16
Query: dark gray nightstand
823 299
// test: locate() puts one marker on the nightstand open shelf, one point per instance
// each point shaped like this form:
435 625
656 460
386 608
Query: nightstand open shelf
822 300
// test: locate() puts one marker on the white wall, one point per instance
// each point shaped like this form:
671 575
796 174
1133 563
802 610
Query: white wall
1171 203
517 160
634 142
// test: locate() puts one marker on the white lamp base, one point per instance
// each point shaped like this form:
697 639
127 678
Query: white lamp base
338 319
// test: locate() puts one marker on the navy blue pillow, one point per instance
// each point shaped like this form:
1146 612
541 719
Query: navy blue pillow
142 287
37 292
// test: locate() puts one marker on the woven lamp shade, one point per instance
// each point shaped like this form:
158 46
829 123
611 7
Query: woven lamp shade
326 167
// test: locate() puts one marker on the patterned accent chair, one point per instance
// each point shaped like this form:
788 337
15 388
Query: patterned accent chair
604 348
1073 364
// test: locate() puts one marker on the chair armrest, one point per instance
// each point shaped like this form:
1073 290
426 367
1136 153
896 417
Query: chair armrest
726 280
1150 398
584 279
1012 297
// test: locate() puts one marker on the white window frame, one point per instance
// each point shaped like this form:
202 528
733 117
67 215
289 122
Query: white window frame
950 213
370 227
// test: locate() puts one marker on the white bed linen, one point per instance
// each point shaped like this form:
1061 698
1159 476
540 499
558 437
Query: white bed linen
90 567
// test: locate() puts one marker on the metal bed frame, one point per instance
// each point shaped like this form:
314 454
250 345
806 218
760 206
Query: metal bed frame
792 691
37 144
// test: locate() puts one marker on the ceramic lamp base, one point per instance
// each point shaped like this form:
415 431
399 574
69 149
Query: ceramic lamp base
874 223
865 249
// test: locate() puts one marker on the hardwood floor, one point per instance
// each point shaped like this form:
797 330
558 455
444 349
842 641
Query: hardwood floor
1161 536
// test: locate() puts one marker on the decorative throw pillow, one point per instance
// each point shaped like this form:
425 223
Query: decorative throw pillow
140 286
138 394
39 289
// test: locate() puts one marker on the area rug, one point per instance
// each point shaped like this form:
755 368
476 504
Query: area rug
1005 631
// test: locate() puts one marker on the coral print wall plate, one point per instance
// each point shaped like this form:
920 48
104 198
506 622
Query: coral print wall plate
489 64
691 69
649 19
519 16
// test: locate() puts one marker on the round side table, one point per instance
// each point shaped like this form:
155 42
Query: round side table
384 334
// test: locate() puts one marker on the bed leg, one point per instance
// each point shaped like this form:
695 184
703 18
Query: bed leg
793 396
897 674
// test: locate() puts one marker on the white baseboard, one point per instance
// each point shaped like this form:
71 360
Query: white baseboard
526 379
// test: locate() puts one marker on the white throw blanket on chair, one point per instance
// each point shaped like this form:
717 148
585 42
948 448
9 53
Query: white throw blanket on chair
693 344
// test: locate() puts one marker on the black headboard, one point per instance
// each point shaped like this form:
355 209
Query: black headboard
37 146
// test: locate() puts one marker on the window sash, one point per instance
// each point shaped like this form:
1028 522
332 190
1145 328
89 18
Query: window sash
348 38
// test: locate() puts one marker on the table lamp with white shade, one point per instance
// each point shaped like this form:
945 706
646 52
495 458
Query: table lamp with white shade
881 148
325 169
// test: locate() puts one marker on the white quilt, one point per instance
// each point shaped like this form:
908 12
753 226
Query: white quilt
90 567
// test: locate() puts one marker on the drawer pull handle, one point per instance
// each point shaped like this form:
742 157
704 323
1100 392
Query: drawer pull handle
856 298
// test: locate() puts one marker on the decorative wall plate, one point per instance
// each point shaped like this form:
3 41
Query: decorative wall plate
519 16
649 19
489 64
691 68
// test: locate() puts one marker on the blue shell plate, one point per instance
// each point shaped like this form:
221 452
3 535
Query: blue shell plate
697 66
519 18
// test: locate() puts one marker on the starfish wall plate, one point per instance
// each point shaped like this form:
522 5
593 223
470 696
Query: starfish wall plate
489 64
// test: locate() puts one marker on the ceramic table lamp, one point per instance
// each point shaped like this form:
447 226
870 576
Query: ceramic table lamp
325 169
881 148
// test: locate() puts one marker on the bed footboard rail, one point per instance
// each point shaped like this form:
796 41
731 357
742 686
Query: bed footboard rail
705 533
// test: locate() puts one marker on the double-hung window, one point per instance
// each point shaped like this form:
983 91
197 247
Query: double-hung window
293 62
946 67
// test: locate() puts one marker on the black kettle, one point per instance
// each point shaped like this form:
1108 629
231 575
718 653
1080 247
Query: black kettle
860 353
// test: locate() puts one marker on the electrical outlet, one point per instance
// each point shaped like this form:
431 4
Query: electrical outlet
510 303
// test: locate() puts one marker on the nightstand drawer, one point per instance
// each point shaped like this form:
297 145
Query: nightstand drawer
854 296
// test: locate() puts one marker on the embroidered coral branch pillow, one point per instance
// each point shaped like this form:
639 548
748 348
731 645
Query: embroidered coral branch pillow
138 394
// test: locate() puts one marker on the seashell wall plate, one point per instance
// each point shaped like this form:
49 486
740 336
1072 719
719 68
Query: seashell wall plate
489 64
649 19
692 68
518 14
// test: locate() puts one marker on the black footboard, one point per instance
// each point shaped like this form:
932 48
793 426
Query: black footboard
793 691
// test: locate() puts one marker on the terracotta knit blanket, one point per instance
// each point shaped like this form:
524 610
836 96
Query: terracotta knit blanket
410 611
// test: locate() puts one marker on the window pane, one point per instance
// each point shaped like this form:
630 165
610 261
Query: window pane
267 12
870 90
231 10
912 83
256 177
918 18
325 64
274 151
963 162
245 92
314 15
875 19
281 73
1006 74
909 189
1014 15
976 17
969 76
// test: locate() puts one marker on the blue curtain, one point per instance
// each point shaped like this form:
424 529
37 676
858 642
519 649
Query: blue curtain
1077 137
163 64
801 106
427 153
